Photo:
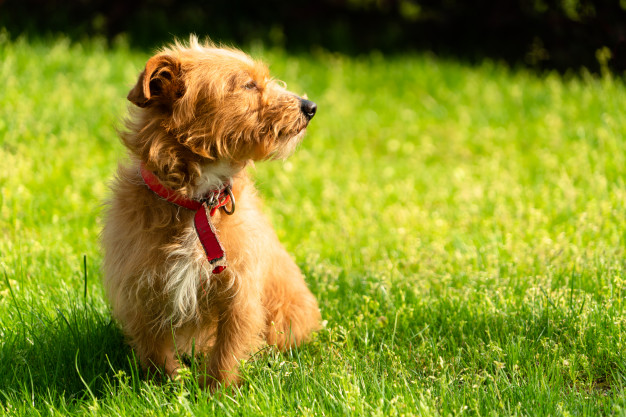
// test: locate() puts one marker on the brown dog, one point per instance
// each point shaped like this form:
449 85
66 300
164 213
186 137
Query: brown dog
179 272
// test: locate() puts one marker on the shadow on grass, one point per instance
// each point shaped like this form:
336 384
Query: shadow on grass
68 352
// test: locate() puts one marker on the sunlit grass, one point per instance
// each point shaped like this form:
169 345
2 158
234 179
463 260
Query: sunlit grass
463 228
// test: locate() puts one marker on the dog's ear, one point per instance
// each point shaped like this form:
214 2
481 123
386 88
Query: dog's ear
159 82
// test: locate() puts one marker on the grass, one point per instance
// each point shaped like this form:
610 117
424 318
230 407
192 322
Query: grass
463 227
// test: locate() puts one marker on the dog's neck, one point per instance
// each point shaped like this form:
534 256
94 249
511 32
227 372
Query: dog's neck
214 176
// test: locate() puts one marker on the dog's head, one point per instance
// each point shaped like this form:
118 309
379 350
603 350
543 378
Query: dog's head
217 104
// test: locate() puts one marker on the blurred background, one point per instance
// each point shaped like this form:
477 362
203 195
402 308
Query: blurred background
543 34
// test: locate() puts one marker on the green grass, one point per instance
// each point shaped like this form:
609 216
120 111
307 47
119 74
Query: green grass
463 227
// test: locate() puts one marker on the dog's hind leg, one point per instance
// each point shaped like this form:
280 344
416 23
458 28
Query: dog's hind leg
293 312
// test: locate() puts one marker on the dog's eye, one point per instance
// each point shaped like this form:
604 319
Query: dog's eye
251 86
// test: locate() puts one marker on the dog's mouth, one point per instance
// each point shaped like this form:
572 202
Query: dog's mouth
287 144
296 130
295 136
302 129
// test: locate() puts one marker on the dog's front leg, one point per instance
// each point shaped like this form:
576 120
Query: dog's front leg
239 332
156 352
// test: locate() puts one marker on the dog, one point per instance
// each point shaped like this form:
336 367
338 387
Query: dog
191 263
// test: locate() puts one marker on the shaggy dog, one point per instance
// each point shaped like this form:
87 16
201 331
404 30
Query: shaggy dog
181 273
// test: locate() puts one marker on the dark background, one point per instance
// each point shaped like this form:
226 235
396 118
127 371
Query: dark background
543 34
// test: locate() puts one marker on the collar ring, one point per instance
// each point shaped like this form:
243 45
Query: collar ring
229 191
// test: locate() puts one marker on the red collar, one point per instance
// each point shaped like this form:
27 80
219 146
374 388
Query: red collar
213 199
205 208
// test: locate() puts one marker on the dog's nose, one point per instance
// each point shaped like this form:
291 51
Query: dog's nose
308 108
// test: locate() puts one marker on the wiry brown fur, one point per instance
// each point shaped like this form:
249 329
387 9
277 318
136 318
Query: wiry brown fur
202 114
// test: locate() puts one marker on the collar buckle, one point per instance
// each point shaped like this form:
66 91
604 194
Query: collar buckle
212 200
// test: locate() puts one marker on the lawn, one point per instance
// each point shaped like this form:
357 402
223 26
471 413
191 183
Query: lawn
463 227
